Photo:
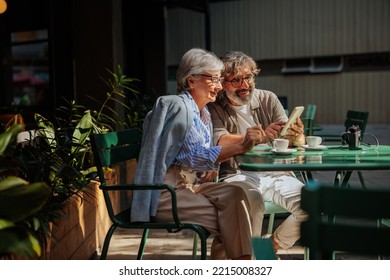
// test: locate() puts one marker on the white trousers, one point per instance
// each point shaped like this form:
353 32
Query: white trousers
284 189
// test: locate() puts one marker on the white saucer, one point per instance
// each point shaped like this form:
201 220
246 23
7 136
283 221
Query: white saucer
320 147
261 148
286 152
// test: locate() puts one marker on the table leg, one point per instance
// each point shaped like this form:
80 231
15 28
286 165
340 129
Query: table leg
307 177
337 179
347 176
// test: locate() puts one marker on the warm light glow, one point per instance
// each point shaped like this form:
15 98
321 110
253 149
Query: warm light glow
3 6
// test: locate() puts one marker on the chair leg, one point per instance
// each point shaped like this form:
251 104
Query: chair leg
382 223
106 243
337 179
306 176
195 246
271 221
328 255
333 255
203 247
306 253
141 248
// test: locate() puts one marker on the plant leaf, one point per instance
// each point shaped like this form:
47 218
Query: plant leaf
46 129
7 136
82 131
33 197
18 242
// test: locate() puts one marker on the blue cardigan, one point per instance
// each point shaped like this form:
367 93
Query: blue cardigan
164 130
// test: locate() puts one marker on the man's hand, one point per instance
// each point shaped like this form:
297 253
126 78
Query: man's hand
273 130
295 134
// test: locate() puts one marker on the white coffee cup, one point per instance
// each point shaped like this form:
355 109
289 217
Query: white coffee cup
280 145
313 141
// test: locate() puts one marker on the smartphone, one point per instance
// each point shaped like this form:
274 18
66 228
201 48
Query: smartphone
297 112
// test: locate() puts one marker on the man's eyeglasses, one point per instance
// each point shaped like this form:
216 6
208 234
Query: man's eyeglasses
237 82
214 79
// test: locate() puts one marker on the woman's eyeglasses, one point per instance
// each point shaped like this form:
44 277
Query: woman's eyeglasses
237 82
214 79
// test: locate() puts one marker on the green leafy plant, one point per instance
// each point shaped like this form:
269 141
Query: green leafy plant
117 110
120 92
19 203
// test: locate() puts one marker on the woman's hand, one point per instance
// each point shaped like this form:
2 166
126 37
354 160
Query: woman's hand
207 176
254 135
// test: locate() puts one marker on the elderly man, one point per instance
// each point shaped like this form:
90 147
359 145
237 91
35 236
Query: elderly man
239 107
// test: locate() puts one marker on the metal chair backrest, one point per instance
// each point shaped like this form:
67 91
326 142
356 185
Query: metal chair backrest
342 219
356 118
309 119
311 111
115 147
308 126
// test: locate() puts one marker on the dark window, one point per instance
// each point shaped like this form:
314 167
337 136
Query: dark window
327 64
301 65
364 62
30 68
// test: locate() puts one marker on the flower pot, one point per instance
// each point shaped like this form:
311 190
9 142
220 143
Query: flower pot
81 232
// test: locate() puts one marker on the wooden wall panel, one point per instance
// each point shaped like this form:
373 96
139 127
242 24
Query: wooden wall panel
335 94
285 29
185 30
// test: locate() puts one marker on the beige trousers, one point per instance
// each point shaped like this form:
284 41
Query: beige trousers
233 212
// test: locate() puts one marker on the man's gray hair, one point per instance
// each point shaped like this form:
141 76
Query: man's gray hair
234 61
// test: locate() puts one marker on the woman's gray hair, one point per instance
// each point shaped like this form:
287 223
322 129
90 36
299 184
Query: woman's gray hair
234 61
196 61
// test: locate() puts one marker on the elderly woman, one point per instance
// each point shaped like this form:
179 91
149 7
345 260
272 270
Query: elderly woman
177 149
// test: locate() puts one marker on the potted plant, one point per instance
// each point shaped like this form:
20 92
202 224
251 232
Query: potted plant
58 153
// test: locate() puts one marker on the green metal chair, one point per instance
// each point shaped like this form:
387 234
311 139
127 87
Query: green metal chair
117 147
310 114
309 120
359 118
352 117
356 229
272 209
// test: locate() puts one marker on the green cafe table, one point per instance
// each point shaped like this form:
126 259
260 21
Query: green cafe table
326 158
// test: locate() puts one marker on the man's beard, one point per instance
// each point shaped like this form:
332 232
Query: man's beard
240 100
